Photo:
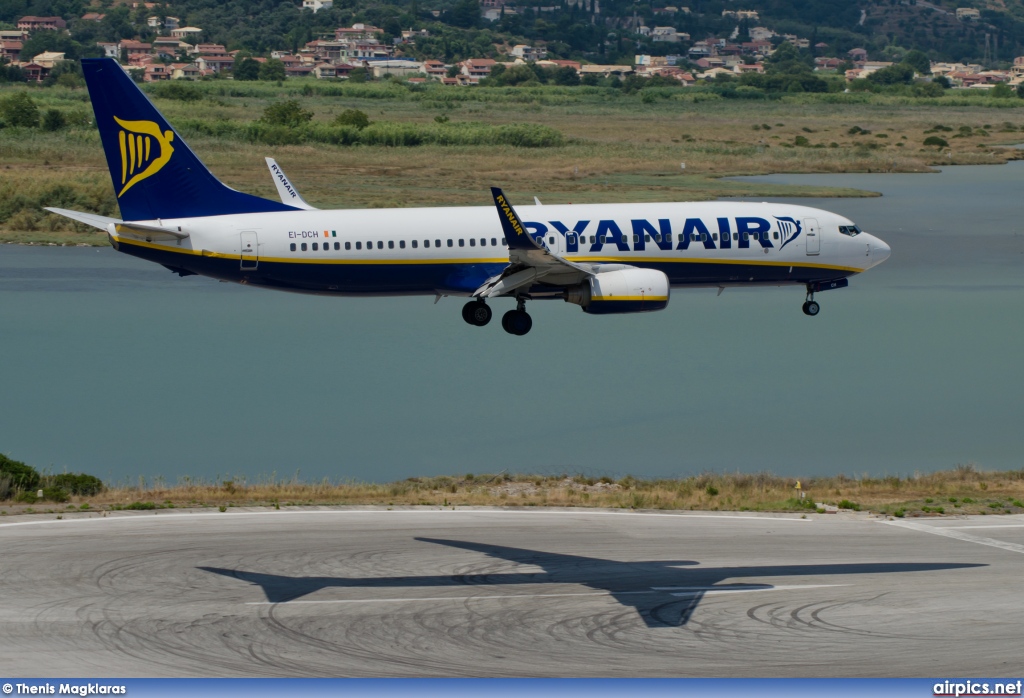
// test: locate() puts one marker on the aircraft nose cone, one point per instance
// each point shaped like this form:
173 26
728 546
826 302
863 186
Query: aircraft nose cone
880 251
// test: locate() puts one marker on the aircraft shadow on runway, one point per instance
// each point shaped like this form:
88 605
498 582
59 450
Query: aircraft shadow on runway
664 592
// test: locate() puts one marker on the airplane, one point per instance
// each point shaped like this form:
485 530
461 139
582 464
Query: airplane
665 593
605 258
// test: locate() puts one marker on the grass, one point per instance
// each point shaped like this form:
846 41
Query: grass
592 144
975 492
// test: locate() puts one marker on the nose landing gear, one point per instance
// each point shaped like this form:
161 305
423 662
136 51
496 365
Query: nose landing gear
518 321
811 306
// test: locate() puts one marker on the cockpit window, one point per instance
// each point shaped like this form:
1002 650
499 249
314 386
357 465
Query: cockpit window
850 230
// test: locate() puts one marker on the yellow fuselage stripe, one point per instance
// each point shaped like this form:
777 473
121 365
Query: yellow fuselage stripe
482 260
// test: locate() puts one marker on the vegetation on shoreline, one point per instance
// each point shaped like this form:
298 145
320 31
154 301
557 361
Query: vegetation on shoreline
963 490
584 144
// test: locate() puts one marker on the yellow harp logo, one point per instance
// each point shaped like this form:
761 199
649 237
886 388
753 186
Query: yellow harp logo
139 157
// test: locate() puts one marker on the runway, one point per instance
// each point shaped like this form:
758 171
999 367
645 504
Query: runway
509 593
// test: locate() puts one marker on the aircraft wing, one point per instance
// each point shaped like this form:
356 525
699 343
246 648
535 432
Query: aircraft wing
285 189
112 225
529 260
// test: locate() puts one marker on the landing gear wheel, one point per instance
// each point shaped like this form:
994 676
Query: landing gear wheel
517 322
476 313
811 308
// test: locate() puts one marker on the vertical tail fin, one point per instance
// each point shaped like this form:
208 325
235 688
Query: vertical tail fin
155 174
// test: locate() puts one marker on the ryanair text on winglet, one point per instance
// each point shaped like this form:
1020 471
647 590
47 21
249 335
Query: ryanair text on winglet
510 215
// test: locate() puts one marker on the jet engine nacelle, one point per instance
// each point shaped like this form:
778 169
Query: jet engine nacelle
621 291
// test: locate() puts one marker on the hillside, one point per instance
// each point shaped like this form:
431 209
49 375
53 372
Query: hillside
604 31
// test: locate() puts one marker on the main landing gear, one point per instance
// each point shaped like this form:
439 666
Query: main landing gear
518 321
811 306
476 313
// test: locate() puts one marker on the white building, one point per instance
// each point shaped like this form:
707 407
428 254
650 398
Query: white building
529 53
668 34
317 5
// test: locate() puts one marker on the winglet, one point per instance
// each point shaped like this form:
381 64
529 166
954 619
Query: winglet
516 235
285 189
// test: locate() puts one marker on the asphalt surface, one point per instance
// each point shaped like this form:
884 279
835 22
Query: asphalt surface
509 593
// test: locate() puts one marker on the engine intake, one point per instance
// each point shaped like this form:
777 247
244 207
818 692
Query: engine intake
621 291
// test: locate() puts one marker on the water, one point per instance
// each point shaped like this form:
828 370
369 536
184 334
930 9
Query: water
115 366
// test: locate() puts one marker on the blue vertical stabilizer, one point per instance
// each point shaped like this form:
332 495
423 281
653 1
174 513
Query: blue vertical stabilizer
155 174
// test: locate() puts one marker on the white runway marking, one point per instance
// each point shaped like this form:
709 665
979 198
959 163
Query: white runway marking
533 512
970 538
993 526
683 591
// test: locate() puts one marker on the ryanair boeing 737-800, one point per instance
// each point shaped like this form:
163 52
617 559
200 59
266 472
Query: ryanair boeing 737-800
606 258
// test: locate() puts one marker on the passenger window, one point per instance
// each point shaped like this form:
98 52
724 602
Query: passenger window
337 245
314 247
745 237
369 244
483 242
327 247
735 236
647 238
380 244
472 242
693 237
449 242
714 236
303 247
776 235
503 241
657 237
703 237
437 243
681 237
592 239
391 244
494 242
292 247
602 238
416 243
462 243
348 245
551 241
359 245
401 243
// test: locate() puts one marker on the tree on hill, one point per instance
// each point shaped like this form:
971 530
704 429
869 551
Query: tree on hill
919 61
272 70
246 69
898 74
17 474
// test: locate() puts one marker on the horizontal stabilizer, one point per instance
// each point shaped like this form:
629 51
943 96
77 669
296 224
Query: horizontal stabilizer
113 225
285 189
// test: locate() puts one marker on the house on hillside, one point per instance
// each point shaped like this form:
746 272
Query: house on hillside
186 32
10 50
48 59
33 24
317 5
357 32
528 53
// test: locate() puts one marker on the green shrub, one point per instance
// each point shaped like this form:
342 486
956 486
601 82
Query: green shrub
55 494
23 477
801 141
847 504
19 109
77 483
53 120
353 117
176 89
899 513
711 490
288 113
141 506
936 141
27 497
967 500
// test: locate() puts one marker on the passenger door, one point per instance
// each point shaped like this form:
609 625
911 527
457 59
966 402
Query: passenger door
250 250
812 235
